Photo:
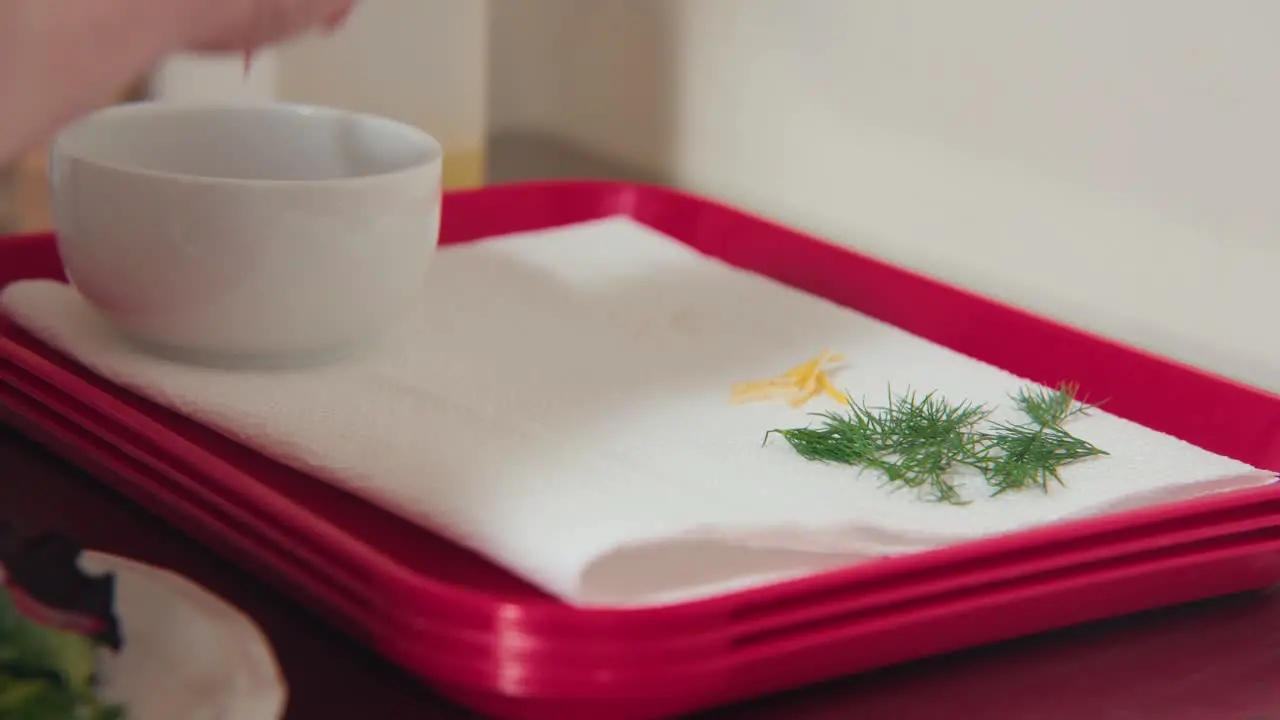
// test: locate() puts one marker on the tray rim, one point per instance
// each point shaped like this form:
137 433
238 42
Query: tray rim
648 204
738 627
668 210
713 670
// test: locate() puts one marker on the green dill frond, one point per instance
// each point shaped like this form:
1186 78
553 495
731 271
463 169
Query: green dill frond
1018 457
918 442
914 441
1051 408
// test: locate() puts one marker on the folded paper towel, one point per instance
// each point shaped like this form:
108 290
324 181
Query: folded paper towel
560 403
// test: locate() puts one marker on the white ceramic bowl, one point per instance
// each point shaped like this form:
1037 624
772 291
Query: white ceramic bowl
247 231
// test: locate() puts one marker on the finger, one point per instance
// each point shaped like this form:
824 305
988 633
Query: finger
339 18
275 20
248 24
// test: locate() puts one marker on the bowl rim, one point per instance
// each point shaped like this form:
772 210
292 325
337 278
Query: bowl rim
63 145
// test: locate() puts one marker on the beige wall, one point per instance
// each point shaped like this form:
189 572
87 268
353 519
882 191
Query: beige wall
421 61
1112 162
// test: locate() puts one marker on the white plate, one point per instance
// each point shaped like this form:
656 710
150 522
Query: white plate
188 655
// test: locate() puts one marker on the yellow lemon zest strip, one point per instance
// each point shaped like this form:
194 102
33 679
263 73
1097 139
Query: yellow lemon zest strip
798 385
831 390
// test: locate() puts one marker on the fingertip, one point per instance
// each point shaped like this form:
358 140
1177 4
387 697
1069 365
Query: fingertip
336 21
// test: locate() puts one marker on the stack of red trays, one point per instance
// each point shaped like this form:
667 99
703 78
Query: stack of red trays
493 643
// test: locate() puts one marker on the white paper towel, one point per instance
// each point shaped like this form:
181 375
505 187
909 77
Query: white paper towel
561 404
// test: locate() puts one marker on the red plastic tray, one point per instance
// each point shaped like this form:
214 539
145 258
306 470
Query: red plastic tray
1221 515
468 626
1234 556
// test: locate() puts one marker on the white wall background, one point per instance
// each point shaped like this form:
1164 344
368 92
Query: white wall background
222 78
424 62
420 61
1111 162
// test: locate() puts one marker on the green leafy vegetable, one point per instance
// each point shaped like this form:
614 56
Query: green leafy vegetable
1013 457
54 619
914 441
919 442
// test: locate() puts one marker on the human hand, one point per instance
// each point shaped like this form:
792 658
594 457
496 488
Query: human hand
62 58
242 25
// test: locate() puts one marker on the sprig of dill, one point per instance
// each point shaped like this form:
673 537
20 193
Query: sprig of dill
1018 456
918 442
1051 408
914 441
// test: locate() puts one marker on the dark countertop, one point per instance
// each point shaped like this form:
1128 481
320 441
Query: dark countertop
1216 660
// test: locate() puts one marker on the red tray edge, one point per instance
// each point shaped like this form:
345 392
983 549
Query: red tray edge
638 201
1264 553
775 619
646 204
